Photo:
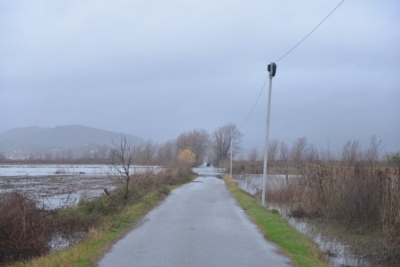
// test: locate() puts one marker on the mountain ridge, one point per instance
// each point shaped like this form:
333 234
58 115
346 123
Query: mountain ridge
34 139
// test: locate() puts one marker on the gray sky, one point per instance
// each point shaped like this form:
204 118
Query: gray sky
156 69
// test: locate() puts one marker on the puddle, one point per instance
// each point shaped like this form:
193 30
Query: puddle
60 241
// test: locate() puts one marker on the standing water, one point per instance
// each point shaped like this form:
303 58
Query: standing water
333 246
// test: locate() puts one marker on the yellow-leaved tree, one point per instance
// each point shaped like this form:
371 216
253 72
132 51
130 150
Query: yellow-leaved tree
187 156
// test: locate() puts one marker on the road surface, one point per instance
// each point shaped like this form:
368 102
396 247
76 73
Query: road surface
199 224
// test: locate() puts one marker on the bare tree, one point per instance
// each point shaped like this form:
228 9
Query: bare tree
273 149
144 154
284 157
253 154
374 150
197 141
326 155
312 153
167 152
351 152
121 161
298 151
222 138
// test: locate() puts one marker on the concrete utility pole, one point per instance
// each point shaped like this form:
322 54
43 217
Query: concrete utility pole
231 156
272 71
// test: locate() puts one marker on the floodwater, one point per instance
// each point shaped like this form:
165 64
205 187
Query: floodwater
61 185
252 183
63 169
55 185
337 252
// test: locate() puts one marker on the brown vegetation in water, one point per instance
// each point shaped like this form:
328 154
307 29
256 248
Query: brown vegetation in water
360 190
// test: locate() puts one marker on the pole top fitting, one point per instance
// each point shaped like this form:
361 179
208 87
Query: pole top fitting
272 69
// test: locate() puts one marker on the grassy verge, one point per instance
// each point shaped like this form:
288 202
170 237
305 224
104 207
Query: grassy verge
87 252
302 250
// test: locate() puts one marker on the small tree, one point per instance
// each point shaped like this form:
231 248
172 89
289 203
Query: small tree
374 150
187 156
167 152
273 149
284 157
351 152
197 141
298 151
225 139
121 161
144 154
253 154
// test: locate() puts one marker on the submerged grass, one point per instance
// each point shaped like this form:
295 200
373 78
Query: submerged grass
87 252
301 249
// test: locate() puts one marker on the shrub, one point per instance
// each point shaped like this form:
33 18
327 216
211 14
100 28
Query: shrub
24 229
187 156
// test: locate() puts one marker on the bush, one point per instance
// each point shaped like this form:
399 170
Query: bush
177 172
25 231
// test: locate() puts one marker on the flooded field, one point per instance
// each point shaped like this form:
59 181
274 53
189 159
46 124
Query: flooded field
63 169
334 245
60 185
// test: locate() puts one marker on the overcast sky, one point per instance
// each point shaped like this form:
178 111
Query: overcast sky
156 69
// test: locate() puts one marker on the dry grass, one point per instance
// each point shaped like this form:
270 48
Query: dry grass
297 246
360 196
23 228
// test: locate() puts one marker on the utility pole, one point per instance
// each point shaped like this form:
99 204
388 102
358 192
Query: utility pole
272 71
231 156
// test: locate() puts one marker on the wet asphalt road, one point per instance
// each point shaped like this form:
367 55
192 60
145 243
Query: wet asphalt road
199 224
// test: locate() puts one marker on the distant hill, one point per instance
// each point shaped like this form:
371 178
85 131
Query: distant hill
74 139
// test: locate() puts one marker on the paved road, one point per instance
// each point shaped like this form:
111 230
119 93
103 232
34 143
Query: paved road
199 224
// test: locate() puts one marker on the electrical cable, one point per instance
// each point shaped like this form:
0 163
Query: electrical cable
310 32
255 103
287 53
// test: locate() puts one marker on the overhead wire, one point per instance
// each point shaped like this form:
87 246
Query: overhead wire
287 53
313 30
255 103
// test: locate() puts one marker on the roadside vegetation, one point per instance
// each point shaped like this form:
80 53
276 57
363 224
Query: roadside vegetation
301 249
359 191
27 231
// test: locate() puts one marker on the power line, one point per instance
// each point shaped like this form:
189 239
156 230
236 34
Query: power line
311 31
255 103
302 40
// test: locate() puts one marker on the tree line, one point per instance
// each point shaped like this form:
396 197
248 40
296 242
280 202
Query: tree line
196 146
